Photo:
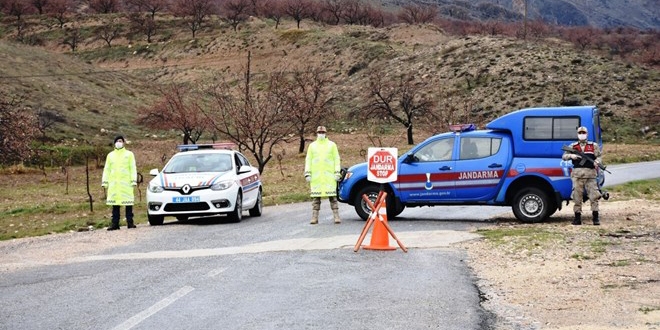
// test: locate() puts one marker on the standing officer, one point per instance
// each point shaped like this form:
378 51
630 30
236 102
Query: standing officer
322 170
119 178
584 175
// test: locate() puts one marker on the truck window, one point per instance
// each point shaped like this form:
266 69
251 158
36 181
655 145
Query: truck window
473 148
550 128
438 150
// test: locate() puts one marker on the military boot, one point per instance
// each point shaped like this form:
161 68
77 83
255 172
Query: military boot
596 220
334 205
130 224
315 217
335 214
578 219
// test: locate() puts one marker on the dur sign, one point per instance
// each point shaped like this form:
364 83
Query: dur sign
382 164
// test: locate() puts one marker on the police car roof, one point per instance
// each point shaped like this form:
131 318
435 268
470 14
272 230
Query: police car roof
210 146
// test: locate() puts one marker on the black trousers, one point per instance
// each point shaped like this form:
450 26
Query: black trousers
115 214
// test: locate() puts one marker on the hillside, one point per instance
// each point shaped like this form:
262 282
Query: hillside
480 77
79 97
641 14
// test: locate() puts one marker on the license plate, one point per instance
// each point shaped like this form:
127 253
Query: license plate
185 199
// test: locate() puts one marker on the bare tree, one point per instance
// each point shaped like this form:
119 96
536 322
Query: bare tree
194 12
274 10
18 129
72 37
399 99
108 31
306 97
40 5
18 9
255 120
236 11
59 9
143 24
418 14
177 109
150 6
335 9
104 6
296 9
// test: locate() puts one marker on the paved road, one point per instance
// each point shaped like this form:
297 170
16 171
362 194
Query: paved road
271 272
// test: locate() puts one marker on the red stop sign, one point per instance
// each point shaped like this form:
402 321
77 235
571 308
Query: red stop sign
382 165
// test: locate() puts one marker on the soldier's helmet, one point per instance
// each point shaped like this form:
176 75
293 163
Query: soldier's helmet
582 129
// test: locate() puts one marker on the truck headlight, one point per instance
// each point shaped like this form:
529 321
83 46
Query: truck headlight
222 185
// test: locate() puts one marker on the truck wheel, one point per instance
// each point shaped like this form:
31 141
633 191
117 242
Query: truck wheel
155 220
531 205
372 191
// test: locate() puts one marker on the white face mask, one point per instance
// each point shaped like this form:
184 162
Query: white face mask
320 136
119 145
582 137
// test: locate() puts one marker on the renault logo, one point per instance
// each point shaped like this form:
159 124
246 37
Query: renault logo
186 189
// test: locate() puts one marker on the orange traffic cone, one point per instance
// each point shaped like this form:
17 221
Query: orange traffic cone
380 238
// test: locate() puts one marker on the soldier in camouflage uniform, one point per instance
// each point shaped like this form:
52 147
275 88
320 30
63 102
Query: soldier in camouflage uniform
322 171
584 175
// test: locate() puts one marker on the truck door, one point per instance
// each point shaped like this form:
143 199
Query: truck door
427 173
480 167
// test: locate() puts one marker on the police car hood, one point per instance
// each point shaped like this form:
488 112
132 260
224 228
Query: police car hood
199 179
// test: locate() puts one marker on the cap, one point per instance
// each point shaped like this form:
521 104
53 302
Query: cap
321 129
582 129
118 137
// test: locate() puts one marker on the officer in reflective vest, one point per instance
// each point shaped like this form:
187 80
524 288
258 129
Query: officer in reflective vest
120 178
584 175
322 171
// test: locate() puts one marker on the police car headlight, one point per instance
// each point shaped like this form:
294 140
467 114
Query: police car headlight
222 185
155 189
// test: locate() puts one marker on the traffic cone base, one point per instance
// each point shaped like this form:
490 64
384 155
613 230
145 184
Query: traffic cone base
380 237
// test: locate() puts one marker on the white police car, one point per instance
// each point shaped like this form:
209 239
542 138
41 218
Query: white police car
204 179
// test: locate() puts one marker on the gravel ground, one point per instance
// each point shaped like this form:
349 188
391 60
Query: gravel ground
584 277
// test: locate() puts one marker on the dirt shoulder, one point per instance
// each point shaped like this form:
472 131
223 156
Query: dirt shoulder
574 277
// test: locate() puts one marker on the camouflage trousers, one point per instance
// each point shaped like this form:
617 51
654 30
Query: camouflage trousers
316 203
579 185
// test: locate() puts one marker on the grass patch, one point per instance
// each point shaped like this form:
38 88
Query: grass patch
526 238
580 256
648 309
620 263
646 189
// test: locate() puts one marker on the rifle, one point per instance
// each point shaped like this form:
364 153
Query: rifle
584 158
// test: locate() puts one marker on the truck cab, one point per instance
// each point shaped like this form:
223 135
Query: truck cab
515 161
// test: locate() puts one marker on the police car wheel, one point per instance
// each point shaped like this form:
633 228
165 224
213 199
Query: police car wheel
531 205
237 214
258 206
155 220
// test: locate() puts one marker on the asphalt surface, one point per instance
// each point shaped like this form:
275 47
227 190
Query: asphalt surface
270 272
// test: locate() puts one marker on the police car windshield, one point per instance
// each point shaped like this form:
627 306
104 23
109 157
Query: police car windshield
193 163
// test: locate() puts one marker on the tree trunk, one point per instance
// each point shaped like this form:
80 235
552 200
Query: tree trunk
301 147
409 131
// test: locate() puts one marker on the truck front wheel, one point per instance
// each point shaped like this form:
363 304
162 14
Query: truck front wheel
531 205
362 208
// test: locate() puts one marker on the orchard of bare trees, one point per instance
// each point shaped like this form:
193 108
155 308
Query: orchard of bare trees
145 19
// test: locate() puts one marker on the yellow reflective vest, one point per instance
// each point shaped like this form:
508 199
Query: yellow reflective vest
119 177
323 165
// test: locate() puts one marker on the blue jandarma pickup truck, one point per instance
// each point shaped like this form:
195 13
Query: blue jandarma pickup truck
515 161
